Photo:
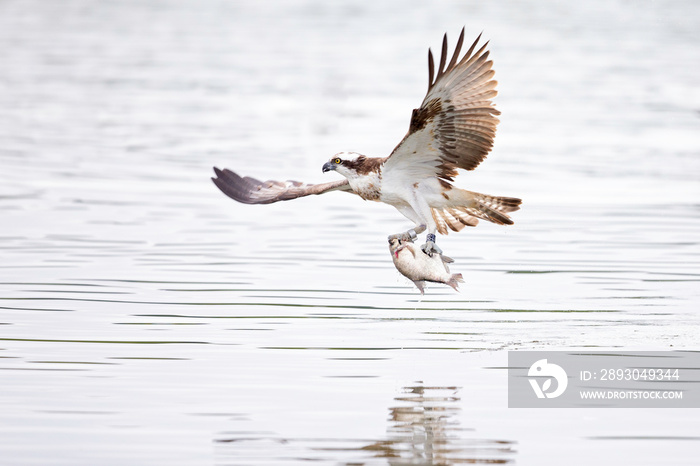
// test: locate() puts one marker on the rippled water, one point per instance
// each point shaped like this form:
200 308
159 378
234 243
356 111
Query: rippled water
147 319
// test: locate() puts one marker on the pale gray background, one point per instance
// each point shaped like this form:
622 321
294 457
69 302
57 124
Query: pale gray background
147 319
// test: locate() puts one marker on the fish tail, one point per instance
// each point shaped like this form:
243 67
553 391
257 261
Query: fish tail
455 280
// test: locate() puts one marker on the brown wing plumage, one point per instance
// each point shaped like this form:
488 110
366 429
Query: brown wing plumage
457 109
251 191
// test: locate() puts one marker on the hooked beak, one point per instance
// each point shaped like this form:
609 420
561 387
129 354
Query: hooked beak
328 167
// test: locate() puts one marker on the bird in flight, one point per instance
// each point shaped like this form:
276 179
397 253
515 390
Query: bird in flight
453 128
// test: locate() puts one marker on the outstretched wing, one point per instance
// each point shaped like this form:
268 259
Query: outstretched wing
456 123
251 191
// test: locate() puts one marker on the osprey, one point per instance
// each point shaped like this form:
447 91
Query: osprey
453 128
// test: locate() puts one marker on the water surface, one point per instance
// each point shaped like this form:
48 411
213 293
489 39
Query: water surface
145 318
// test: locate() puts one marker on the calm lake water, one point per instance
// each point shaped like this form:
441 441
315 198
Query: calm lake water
147 319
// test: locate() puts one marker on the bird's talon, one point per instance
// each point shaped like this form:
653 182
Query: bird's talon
430 248
409 235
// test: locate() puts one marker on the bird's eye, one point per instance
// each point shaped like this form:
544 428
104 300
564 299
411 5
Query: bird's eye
337 160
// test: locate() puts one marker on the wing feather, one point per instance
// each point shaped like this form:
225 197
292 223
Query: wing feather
458 48
456 124
248 190
443 57
431 67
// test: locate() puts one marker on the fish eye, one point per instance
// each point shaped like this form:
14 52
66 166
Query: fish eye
337 160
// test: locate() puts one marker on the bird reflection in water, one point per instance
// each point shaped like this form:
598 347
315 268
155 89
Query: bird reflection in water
424 430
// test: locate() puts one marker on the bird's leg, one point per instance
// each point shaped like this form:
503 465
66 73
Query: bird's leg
409 235
430 247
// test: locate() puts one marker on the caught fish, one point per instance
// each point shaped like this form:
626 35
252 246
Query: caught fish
419 267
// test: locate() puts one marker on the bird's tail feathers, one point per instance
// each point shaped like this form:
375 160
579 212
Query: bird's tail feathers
468 207
452 218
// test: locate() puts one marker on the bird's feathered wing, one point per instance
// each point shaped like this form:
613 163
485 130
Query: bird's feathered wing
456 123
251 191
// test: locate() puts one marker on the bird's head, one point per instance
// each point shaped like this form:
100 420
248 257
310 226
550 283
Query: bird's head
345 163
